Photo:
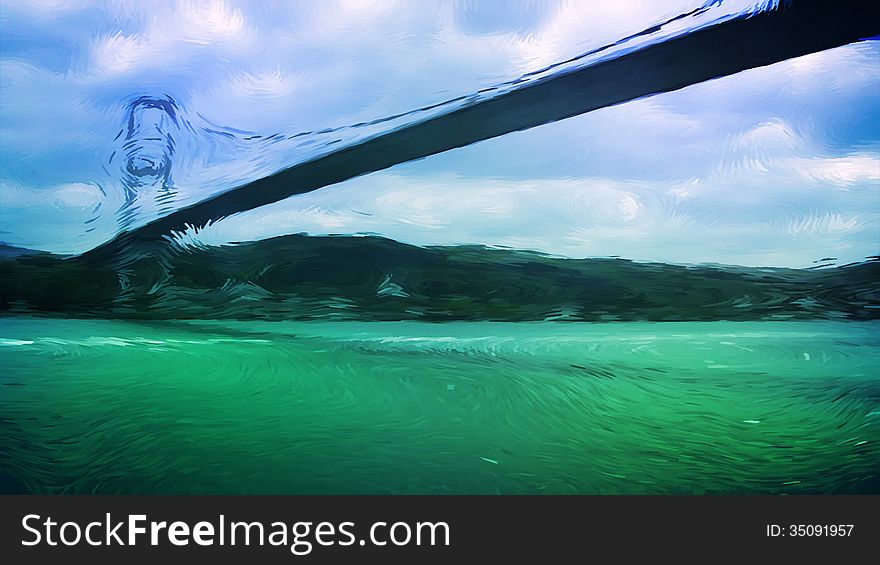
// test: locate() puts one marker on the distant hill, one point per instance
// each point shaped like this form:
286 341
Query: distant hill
371 278
13 251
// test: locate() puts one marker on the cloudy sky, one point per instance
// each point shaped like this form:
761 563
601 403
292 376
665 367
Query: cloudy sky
776 166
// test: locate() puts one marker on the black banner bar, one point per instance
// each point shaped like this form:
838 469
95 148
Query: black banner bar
422 529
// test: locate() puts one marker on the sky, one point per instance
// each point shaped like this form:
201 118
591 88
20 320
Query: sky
775 166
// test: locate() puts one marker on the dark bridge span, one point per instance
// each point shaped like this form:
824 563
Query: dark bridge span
796 28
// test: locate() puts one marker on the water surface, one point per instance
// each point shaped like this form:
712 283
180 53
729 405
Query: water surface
197 406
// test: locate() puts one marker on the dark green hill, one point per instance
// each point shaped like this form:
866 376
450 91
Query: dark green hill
371 278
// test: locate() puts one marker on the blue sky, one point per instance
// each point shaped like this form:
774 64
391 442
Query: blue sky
777 166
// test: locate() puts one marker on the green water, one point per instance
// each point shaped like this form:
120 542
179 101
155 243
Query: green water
462 407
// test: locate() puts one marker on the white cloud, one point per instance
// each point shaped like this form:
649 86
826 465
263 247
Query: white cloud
842 172
820 224
588 216
77 195
173 37
118 53
266 84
